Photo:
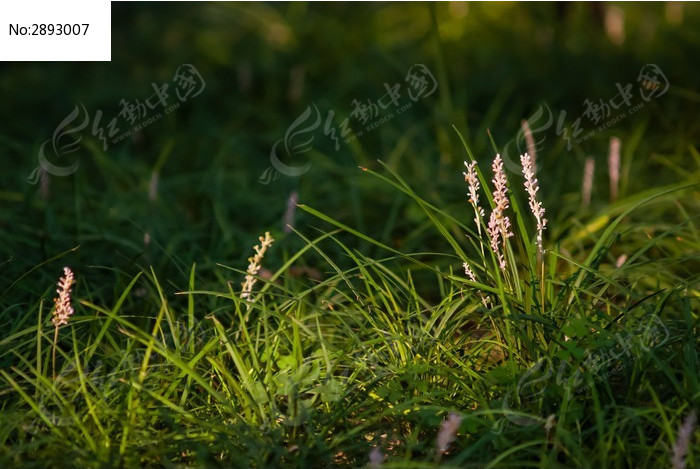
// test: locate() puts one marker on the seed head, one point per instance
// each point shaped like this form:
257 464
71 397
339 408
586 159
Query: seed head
470 273
254 265
473 183
531 186
500 185
63 309
499 223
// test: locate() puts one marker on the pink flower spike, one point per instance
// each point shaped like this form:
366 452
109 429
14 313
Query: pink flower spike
614 167
63 309
499 223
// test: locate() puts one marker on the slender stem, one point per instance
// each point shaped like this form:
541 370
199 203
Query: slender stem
55 341
542 284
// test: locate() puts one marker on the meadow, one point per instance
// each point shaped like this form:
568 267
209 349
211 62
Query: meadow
377 235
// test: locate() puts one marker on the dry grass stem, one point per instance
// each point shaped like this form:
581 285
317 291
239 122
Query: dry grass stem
587 186
530 142
289 213
614 167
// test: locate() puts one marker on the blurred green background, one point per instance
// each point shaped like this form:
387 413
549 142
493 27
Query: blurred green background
264 64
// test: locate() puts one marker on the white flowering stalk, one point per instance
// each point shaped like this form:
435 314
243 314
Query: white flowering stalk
447 433
531 186
254 265
472 181
499 223
469 272
63 309
494 236
587 186
614 167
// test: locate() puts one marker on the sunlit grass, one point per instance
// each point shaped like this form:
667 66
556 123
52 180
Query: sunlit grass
365 339
584 355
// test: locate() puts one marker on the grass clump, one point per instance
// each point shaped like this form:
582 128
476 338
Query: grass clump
576 349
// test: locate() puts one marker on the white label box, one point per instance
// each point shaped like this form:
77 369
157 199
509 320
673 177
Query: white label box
55 31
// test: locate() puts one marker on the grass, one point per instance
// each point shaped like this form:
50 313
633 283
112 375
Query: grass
364 339
577 362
